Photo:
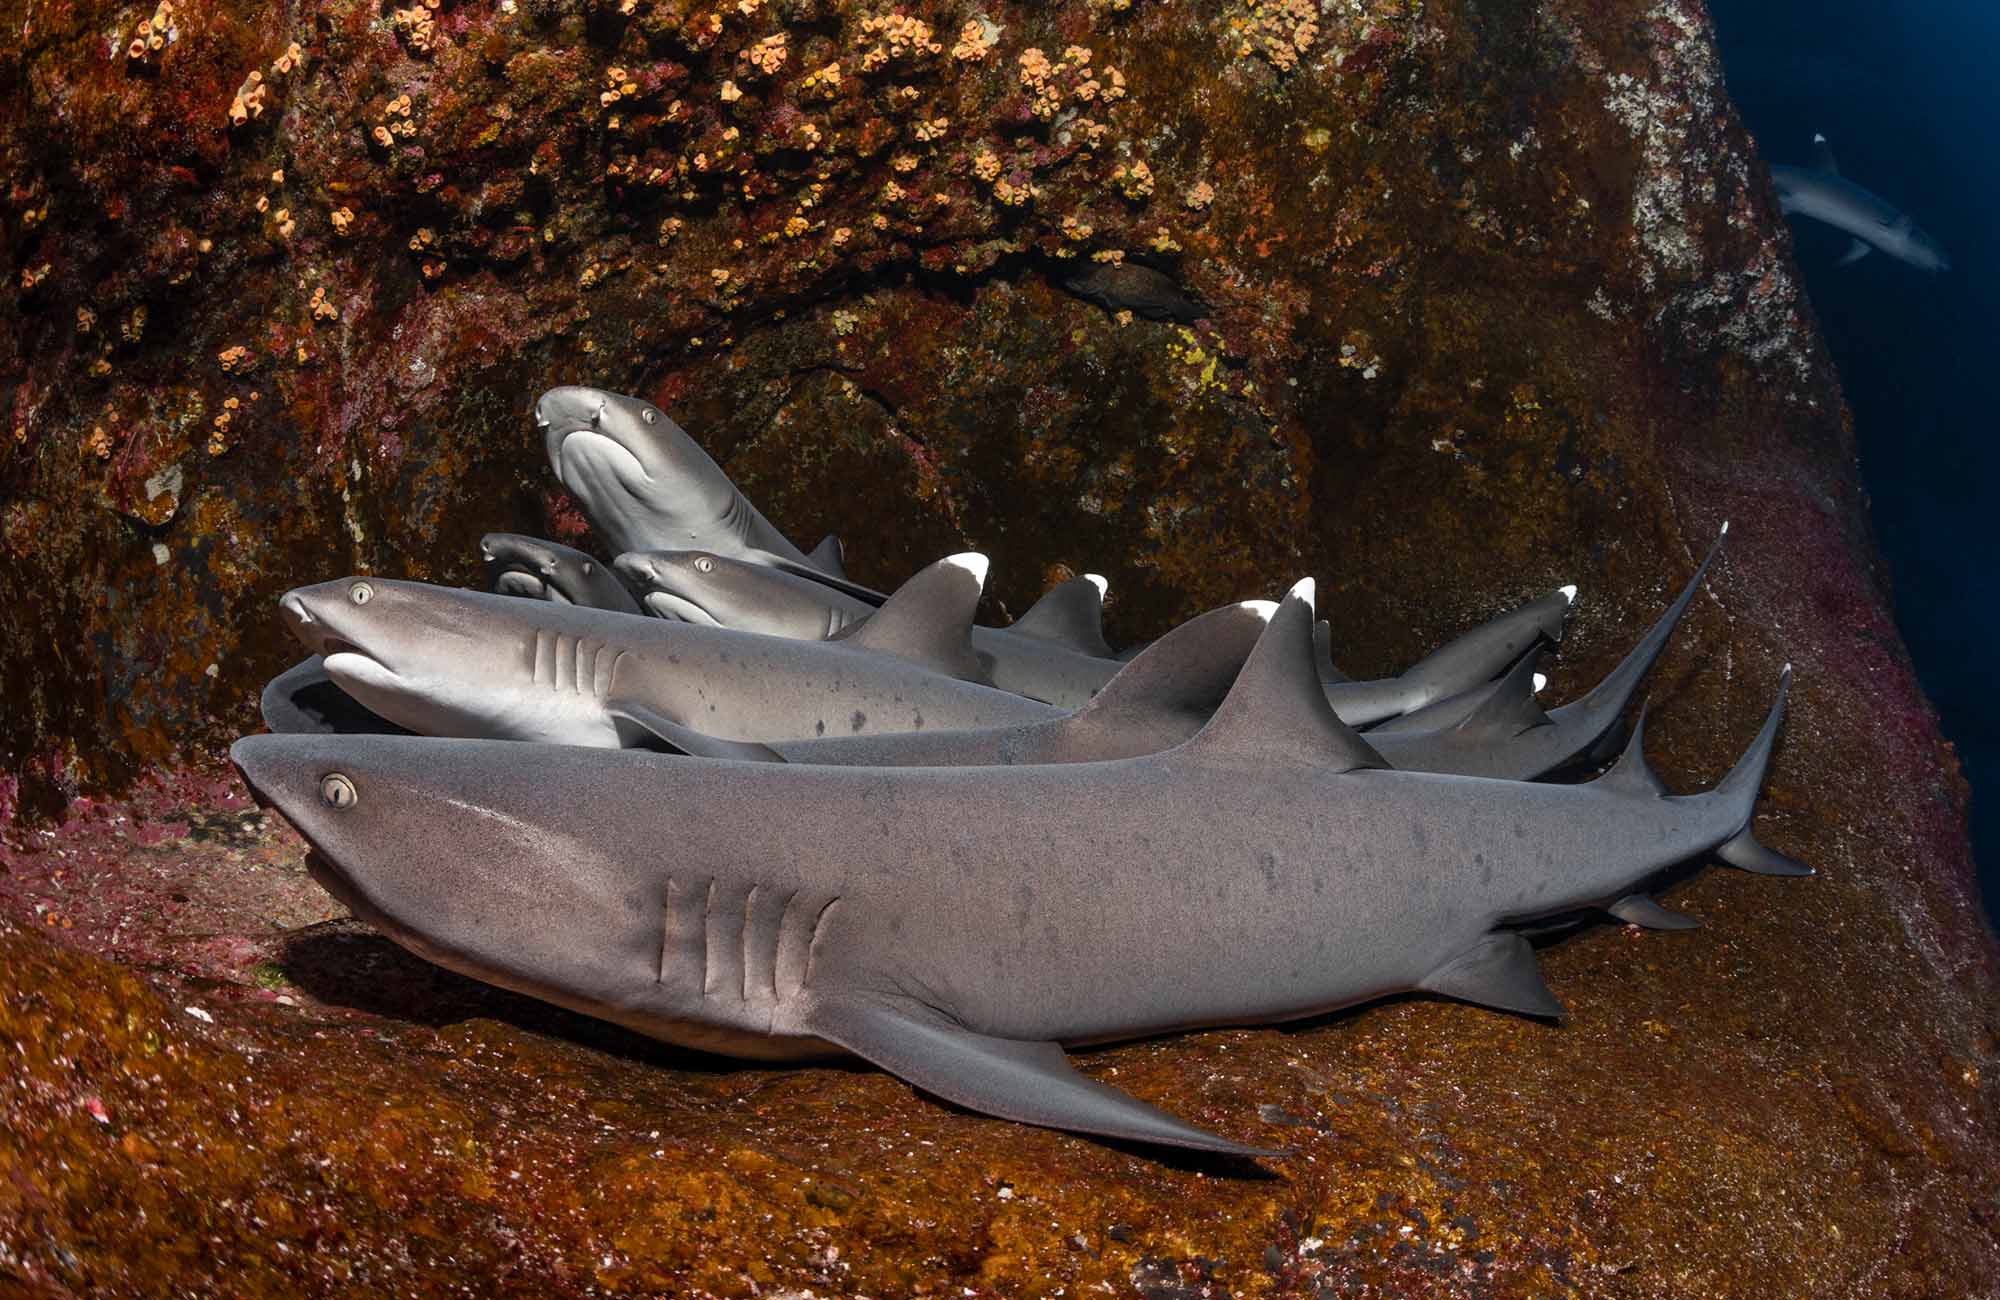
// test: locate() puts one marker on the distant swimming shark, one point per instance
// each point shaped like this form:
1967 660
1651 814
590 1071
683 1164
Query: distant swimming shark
958 926
1822 193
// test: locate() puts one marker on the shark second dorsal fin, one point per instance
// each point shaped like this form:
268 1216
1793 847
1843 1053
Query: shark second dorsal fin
829 555
1069 614
928 620
1510 708
1186 672
1323 653
1278 707
1630 775
1822 155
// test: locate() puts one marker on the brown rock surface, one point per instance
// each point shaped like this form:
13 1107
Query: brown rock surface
1446 303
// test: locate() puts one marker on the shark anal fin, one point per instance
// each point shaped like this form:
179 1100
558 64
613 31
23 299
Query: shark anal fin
1856 250
1069 614
640 727
1746 854
1028 1082
1499 971
1637 909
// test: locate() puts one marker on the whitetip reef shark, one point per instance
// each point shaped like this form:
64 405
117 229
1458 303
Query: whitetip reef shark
445 662
535 569
1822 193
958 927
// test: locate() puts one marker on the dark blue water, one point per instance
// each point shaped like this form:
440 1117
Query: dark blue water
1906 96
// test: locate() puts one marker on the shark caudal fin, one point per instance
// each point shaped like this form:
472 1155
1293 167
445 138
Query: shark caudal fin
1071 615
928 620
1741 786
1610 696
1466 661
1278 708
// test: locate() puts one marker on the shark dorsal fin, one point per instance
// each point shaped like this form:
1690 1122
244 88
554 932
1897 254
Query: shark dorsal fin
830 555
1278 707
1822 156
1323 654
1186 672
928 620
1069 614
1630 774
1510 708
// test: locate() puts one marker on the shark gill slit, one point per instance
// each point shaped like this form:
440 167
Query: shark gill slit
743 941
812 946
711 977
541 658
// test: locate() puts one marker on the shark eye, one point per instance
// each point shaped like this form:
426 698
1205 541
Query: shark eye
650 416
337 791
361 593
704 565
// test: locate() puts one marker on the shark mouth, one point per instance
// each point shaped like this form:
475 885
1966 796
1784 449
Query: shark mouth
666 604
596 456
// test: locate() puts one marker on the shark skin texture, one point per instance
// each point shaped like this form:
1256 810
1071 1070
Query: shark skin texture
517 565
959 926
646 485
441 661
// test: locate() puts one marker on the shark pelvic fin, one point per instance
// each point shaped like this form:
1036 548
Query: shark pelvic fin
1070 614
1188 671
928 620
1510 708
1028 1082
1637 909
1822 155
1278 706
829 556
1499 971
641 728
1856 250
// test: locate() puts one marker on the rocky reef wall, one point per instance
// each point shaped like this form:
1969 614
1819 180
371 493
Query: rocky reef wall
1444 301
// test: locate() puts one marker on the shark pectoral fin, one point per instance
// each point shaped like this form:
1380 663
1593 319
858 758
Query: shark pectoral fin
303 700
929 618
1856 250
1070 614
834 580
641 728
1637 909
1499 971
828 555
1028 1082
1746 854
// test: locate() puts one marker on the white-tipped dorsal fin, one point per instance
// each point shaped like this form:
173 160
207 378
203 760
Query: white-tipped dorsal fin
1822 153
1186 673
928 620
1278 709
1069 614
1509 707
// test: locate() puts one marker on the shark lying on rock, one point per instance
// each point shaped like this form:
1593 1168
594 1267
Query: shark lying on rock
541 570
646 485
445 662
959 926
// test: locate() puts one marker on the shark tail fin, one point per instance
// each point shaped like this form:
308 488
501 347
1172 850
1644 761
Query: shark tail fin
1071 615
1278 706
1613 693
1739 789
928 620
